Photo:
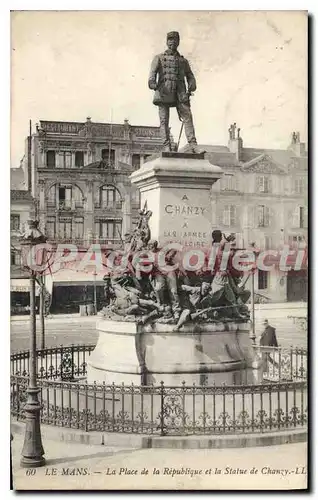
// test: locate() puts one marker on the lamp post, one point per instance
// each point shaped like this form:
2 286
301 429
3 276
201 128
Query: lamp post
253 336
41 313
256 253
32 452
95 294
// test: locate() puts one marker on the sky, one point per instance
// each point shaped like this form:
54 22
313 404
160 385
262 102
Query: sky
250 67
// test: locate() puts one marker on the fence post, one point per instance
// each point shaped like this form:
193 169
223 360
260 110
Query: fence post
18 399
86 408
72 365
162 393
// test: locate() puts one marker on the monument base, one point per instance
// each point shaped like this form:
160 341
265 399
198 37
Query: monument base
203 354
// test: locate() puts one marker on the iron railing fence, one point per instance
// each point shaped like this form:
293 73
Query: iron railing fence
54 363
68 363
166 410
282 364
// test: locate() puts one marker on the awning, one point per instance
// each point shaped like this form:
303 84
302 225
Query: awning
22 285
71 277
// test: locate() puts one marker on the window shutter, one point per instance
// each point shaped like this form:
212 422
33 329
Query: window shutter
226 216
296 217
306 217
232 215
96 196
51 196
261 186
260 216
266 216
97 227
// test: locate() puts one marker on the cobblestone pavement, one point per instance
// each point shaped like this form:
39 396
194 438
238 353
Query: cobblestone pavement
81 467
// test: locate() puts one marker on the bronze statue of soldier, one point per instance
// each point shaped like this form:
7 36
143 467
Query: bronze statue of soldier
168 77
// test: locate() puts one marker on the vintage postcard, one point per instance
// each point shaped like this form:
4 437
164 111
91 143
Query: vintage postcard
159 194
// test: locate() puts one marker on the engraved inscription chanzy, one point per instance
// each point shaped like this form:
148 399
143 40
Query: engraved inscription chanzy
184 210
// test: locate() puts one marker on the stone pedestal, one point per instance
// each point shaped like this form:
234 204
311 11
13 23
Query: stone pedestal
205 354
176 187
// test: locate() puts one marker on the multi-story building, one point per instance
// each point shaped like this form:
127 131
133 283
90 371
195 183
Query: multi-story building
78 173
262 197
22 209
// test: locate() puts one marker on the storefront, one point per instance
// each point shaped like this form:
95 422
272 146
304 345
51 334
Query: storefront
20 296
72 289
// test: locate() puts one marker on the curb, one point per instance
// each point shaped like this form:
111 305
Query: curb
23 319
138 441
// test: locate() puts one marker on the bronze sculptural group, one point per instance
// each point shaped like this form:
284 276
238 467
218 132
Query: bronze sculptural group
174 297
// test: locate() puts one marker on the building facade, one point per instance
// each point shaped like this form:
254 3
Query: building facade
22 209
78 174
262 198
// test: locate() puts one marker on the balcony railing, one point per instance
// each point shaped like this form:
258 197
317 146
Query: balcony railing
110 207
113 242
66 206
87 241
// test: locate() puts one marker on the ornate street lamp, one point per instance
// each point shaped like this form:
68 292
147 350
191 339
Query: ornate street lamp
32 452
256 253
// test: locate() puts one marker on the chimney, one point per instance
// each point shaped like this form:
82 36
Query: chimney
296 146
235 143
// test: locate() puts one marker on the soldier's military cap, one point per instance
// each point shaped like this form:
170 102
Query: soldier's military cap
173 34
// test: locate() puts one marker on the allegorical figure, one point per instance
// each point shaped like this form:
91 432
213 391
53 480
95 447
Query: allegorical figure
173 81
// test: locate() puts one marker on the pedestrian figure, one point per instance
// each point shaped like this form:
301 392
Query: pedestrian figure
268 339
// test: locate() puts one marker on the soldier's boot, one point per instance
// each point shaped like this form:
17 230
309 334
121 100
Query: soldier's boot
194 147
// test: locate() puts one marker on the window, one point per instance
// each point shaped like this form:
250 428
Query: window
109 229
263 216
228 182
108 155
135 196
299 217
109 196
302 217
50 159
263 184
65 229
79 228
15 222
229 215
15 258
65 159
50 228
51 196
262 279
299 186
65 197
136 161
79 158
